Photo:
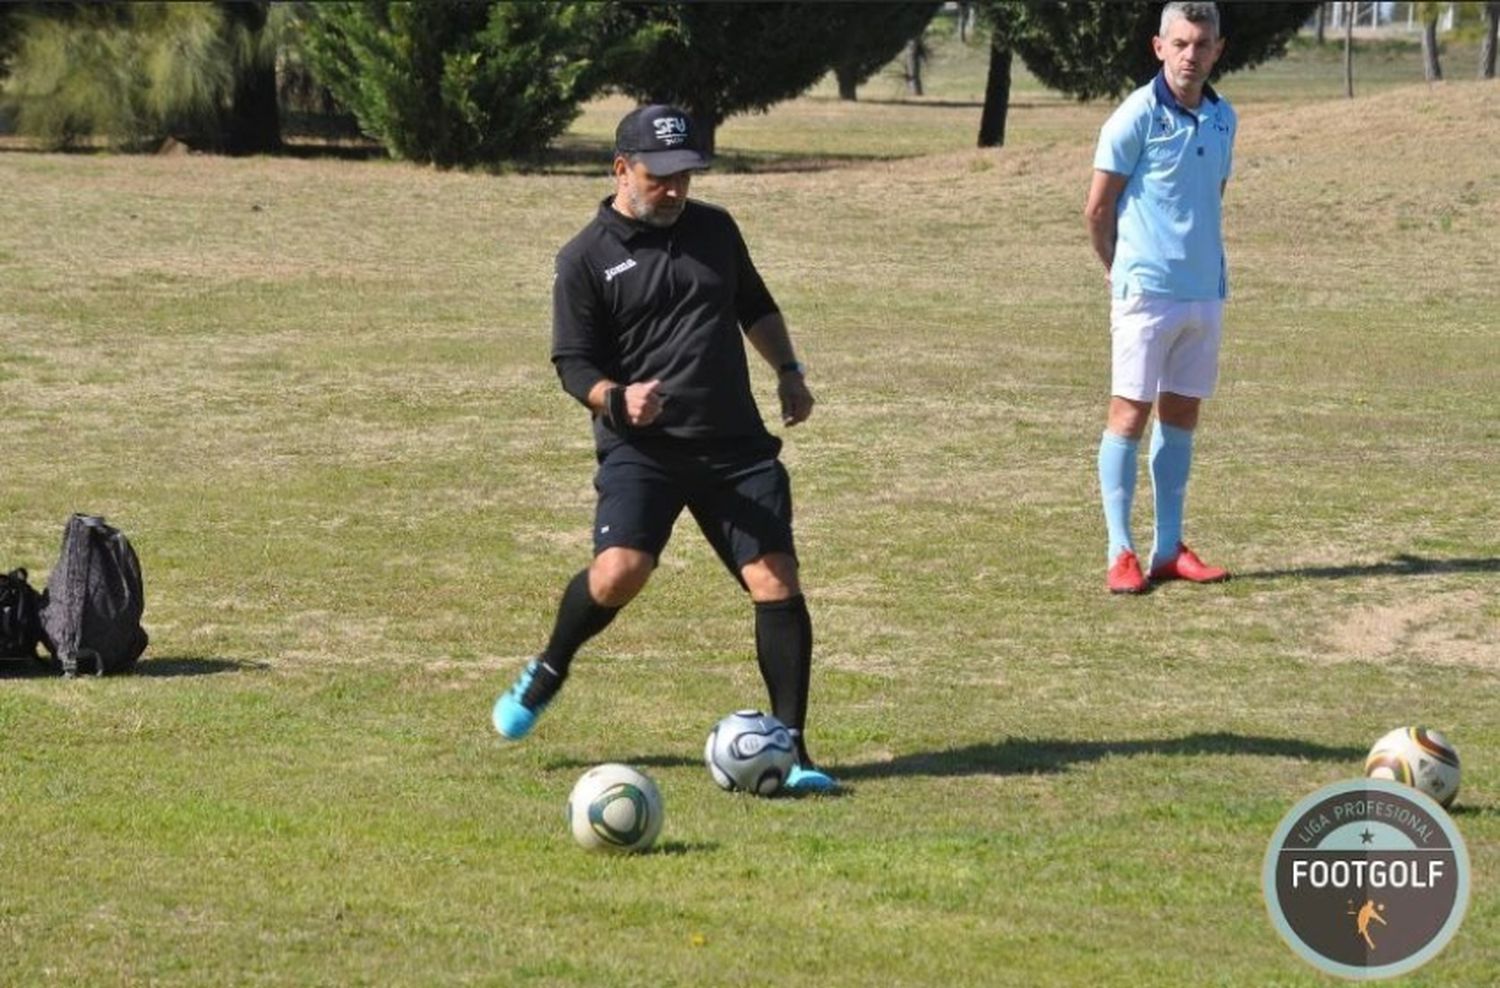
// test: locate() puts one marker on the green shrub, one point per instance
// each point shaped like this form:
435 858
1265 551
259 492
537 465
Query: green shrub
462 83
132 74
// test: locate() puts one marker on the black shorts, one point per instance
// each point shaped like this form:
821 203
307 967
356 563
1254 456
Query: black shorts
743 505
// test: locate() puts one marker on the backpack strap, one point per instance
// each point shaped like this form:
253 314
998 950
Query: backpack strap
20 618
89 661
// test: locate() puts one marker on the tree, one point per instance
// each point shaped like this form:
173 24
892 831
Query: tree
915 58
1002 19
873 34
135 73
718 59
1093 49
1432 68
996 96
249 120
9 36
1349 54
1491 30
463 82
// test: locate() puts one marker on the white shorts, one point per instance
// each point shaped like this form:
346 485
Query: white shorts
1164 344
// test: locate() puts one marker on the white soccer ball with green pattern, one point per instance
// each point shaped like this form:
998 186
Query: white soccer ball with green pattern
615 808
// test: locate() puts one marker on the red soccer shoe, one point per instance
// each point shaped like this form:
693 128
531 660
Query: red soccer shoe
1125 574
1187 566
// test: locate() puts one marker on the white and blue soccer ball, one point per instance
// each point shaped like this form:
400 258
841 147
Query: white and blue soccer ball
1419 757
615 808
750 751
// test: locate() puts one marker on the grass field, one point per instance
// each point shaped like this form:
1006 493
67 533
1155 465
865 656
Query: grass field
316 394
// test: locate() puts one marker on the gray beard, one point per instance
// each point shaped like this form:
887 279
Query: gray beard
647 215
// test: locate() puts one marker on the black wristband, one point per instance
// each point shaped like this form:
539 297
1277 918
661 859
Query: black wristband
614 408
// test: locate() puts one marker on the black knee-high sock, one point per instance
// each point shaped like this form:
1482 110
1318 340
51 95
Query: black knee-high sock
783 647
579 618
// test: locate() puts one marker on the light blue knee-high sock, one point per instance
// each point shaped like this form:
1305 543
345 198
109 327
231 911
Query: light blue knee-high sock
1117 485
1171 460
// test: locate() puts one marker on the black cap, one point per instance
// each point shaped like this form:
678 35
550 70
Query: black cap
664 138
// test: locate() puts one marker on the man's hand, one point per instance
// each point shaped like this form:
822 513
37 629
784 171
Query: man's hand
796 401
643 403
1099 213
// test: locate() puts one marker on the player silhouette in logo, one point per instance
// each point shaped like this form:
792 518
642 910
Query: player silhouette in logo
1367 912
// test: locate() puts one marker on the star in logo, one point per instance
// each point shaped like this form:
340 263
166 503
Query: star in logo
1366 837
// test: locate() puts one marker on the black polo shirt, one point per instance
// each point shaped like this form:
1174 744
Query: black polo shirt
633 303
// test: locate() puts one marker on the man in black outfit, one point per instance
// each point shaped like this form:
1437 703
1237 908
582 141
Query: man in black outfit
649 304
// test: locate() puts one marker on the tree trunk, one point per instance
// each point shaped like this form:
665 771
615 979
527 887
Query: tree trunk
705 116
1349 57
965 11
996 99
916 54
1491 29
707 120
252 124
847 83
1432 69
1322 22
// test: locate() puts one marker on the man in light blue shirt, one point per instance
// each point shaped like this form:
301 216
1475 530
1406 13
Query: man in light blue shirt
1154 216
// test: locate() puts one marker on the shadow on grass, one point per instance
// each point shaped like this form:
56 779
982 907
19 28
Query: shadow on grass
182 665
1464 809
355 148
1401 565
24 669
637 761
781 164
168 667
959 104
1041 756
584 157
588 158
678 848
677 761
332 151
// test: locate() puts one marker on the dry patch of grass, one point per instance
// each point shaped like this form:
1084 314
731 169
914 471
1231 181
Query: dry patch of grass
1457 628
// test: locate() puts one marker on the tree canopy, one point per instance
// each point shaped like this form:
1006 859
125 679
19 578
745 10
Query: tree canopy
1090 49
467 81
716 60
719 59
873 34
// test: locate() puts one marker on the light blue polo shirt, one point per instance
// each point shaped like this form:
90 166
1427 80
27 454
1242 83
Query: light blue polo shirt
1170 235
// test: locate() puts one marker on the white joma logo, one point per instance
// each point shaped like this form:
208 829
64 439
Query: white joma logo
621 268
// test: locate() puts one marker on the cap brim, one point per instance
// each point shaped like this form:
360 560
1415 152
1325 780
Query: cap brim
671 162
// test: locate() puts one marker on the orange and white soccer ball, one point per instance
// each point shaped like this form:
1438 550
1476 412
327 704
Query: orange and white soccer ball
1418 757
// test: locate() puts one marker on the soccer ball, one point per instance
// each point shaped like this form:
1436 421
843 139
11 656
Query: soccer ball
1418 757
750 750
615 808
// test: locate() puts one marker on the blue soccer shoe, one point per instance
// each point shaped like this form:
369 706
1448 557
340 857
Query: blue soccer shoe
517 710
803 780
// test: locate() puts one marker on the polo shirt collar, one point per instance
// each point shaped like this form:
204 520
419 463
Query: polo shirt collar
1167 98
616 222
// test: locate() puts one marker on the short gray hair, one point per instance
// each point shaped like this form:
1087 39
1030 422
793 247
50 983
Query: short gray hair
1198 13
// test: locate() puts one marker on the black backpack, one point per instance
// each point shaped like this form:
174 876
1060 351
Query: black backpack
20 625
91 609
